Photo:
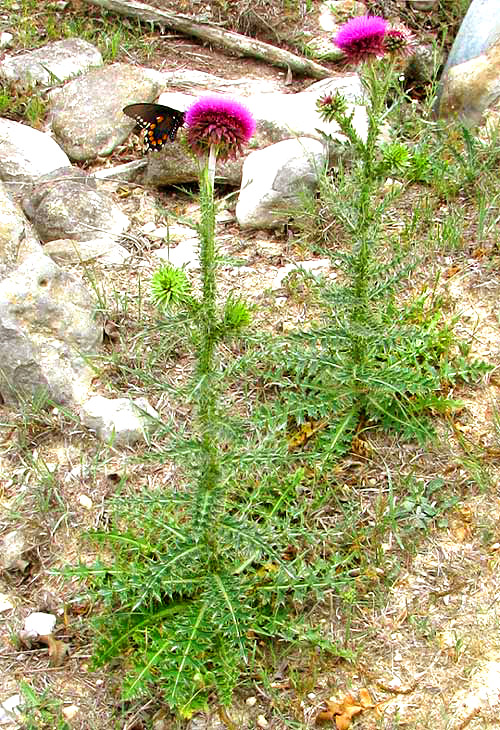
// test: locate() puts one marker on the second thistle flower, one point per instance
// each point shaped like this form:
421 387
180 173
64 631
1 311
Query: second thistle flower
216 121
370 36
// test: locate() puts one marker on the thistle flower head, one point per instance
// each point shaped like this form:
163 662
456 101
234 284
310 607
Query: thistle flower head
220 122
329 105
362 38
399 40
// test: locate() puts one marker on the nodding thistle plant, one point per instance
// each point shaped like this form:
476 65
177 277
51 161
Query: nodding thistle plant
364 40
185 596
370 361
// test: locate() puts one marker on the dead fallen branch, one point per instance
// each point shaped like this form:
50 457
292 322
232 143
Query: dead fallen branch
234 42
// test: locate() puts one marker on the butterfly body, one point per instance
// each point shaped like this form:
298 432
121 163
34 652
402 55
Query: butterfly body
159 122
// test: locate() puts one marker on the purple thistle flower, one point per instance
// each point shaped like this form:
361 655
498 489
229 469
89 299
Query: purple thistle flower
362 38
220 122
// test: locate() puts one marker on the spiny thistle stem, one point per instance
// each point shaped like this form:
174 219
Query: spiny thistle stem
218 127
208 324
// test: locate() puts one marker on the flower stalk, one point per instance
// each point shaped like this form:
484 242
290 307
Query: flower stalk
365 41
218 128
208 327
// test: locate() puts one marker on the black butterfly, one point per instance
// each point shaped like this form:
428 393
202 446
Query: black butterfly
160 122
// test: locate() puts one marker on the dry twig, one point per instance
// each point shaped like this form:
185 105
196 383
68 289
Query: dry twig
240 44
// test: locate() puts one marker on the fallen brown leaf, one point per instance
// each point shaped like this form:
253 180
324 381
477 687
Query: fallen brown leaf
342 722
342 712
57 649
365 699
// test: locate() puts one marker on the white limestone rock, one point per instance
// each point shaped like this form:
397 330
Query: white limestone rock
274 179
9 710
39 624
54 62
102 250
47 328
12 547
119 421
94 128
314 266
17 237
27 154
184 254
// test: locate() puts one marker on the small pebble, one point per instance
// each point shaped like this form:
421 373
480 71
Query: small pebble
6 39
311 695
251 701
391 185
8 709
5 604
39 624
261 721
70 712
85 501
12 547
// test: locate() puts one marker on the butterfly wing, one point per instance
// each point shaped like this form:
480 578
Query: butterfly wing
160 123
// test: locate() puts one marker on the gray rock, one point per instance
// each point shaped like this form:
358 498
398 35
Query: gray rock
94 128
12 547
479 30
470 82
17 237
50 64
184 254
126 172
313 266
38 189
472 88
173 165
103 250
27 154
66 204
47 328
119 421
274 179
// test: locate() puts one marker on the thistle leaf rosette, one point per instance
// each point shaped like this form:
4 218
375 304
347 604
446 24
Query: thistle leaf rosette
220 123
